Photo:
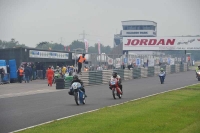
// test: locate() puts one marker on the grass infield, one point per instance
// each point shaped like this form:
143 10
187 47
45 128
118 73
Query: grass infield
172 112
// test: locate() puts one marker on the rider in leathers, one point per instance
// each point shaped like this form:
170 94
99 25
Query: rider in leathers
76 79
115 75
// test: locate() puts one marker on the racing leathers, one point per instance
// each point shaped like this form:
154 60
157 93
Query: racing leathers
82 87
119 82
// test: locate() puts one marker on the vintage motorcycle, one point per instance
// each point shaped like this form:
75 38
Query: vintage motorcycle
115 88
162 77
79 95
198 75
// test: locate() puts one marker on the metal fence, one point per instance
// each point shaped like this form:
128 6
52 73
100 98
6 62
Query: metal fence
112 61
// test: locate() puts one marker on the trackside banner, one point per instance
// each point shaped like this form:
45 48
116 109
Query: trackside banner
161 43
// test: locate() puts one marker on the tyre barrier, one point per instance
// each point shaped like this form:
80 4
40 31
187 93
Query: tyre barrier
103 77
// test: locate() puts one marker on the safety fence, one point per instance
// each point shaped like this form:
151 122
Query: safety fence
103 77
119 61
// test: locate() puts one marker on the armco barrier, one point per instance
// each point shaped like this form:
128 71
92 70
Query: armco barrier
103 77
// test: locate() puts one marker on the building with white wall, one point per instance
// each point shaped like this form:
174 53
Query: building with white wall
136 28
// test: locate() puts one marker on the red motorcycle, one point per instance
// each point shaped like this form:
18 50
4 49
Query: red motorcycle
115 88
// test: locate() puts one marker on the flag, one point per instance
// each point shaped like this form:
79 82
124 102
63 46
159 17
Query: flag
99 47
86 45
68 48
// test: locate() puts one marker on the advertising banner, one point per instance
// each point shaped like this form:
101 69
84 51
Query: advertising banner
117 62
138 62
48 54
86 45
151 62
172 62
161 43
130 60
110 61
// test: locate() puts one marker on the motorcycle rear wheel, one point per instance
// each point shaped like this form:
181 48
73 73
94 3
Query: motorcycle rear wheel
84 101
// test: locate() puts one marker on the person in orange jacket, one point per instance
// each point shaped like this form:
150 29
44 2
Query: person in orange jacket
50 75
80 61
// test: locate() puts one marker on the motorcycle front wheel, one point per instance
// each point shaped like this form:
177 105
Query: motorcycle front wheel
76 97
113 93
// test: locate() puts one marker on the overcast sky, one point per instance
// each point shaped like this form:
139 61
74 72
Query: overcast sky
34 21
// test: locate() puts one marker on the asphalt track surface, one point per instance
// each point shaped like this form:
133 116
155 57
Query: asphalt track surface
24 111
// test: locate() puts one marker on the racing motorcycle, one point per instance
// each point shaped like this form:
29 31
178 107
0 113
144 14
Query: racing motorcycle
162 77
79 95
198 75
115 88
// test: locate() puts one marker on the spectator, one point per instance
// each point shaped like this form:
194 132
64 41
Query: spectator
50 75
2 73
27 74
80 61
20 74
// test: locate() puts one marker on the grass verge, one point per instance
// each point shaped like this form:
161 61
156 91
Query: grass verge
172 112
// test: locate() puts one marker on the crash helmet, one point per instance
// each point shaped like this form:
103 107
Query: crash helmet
161 69
114 74
75 77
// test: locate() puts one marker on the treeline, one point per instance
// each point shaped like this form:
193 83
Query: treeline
55 46
11 44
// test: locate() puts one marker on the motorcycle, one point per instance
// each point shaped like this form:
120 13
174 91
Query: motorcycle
79 95
162 77
198 75
115 88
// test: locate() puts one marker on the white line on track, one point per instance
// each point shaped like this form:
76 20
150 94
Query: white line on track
101 108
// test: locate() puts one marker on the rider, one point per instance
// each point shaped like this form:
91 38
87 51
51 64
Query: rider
115 75
162 71
76 79
197 69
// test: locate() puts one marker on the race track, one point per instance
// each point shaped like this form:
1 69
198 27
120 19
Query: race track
19 112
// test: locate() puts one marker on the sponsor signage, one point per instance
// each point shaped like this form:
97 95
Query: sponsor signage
48 54
161 43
